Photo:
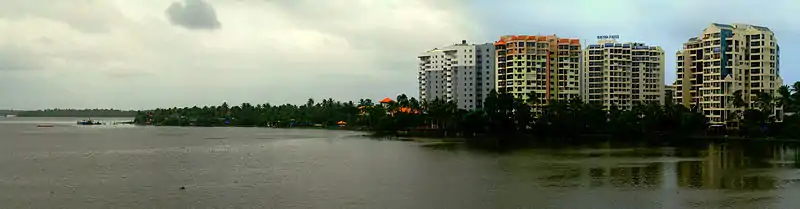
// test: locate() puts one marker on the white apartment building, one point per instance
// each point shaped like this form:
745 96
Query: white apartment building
726 58
622 74
463 73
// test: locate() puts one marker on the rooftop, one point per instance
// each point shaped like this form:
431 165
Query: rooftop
722 25
761 28
741 25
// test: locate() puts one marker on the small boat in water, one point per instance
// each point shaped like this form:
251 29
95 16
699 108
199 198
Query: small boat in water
44 126
89 122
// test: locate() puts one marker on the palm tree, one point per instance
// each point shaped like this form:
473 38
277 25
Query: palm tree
738 100
533 98
796 86
402 100
795 96
765 101
414 104
533 101
785 99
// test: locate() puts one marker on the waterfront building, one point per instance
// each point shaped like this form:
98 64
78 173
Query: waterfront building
463 73
726 58
622 74
547 66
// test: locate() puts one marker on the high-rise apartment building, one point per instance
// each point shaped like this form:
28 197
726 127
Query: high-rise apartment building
463 73
546 65
724 59
622 74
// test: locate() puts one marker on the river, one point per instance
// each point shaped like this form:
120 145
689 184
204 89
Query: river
124 166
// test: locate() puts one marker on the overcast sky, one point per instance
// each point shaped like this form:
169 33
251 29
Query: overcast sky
163 53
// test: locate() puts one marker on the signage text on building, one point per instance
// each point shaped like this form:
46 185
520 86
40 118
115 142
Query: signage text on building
608 37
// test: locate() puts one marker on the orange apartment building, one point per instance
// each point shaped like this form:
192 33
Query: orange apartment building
546 65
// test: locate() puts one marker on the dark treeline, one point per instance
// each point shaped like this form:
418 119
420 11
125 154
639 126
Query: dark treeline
502 116
76 113
325 113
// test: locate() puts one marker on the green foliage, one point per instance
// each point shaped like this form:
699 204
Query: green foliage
327 113
502 115
760 120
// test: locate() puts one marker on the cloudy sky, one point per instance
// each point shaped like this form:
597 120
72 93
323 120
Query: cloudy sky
162 53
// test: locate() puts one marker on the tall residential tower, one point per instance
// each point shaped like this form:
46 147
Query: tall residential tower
463 73
725 59
546 65
622 74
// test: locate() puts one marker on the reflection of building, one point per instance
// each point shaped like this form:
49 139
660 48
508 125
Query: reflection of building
728 166
623 74
546 65
463 73
723 59
724 166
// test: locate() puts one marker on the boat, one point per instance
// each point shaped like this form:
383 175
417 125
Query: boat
89 122
44 126
124 123
11 116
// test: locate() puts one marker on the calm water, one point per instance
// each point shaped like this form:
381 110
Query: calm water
144 167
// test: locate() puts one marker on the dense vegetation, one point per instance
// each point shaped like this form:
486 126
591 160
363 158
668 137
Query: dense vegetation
72 113
7 112
502 115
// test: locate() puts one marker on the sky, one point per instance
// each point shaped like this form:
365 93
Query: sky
163 53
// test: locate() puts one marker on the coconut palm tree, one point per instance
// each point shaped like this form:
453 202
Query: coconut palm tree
765 102
739 103
738 100
785 99
533 98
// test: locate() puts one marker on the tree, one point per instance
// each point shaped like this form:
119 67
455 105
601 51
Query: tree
533 98
441 112
403 101
738 100
522 115
734 117
785 99
765 102
498 108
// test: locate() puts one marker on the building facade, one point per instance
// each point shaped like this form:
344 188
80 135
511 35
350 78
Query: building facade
726 58
463 73
623 74
545 65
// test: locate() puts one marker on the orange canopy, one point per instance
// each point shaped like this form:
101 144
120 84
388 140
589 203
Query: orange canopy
386 100
341 123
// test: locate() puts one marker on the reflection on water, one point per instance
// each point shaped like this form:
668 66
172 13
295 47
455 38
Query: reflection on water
736 166
143 167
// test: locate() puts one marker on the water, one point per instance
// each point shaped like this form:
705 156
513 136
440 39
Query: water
144 167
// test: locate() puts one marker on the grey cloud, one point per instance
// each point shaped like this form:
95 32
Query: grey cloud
193 14
419 33
85 16
14 58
